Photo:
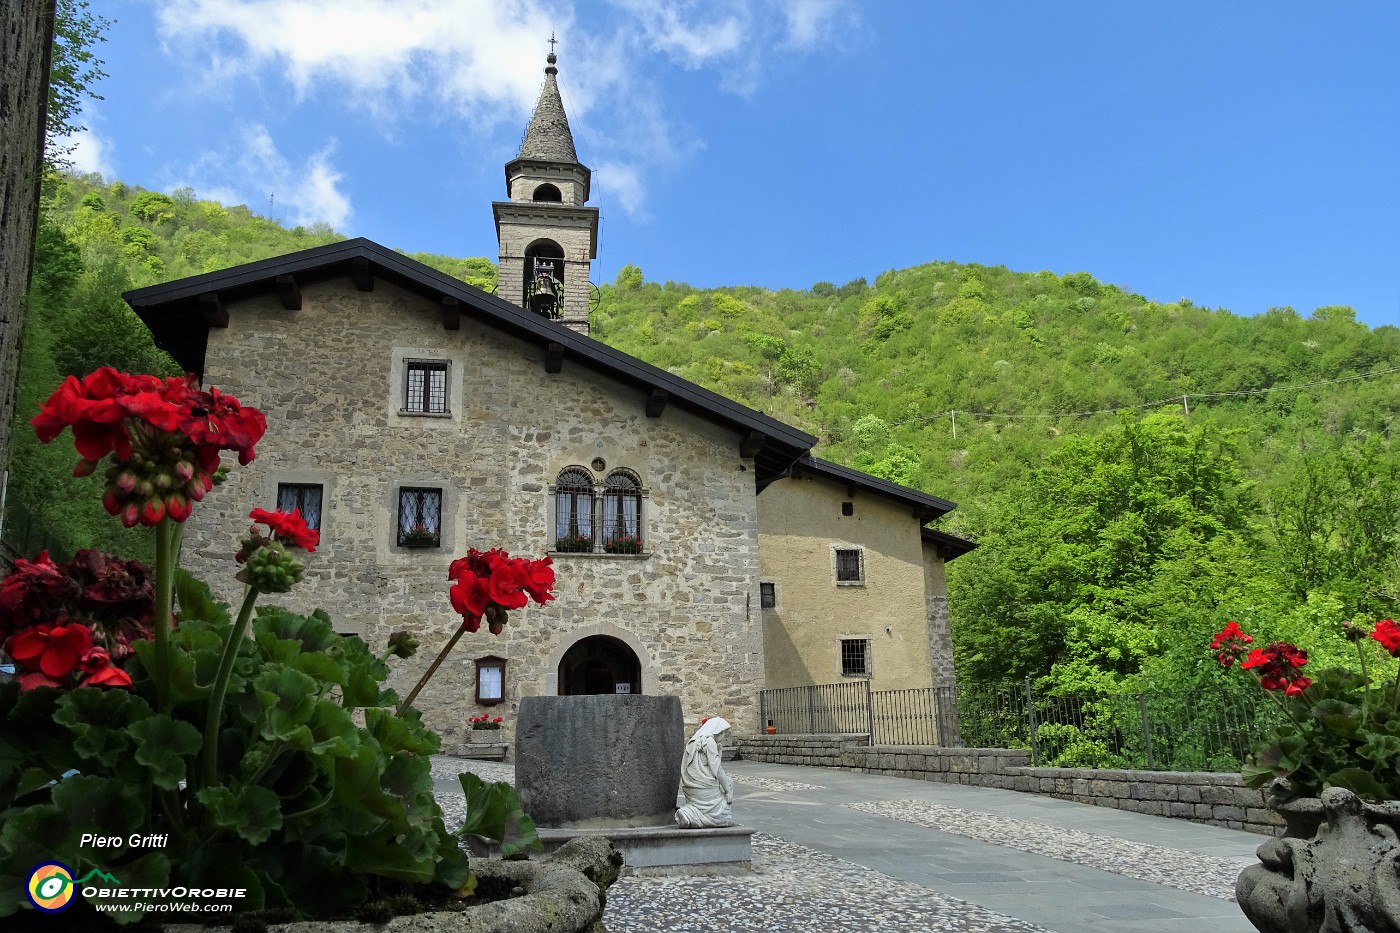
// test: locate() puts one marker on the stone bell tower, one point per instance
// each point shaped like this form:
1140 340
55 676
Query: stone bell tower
547 236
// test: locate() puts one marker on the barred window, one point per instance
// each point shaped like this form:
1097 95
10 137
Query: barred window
855 657
622 512
573 511
849 567
304 497
420 517
425 386
767 595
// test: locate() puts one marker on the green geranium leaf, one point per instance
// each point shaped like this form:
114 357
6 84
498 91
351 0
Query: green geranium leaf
185 683
151 870
313 633
100 805
330 732
402 734
287 698
319 667
29 835
495 816
100 720
162 745
194 600
1256 775
1383 750
253 812
1339 716
1359 783
317 880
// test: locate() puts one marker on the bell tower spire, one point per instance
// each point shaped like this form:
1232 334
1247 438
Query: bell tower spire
548 236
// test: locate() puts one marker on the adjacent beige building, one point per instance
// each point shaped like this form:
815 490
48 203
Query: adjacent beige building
412 416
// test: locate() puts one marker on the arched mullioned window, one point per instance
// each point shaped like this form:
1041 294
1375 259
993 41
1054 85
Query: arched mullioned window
622 513
573 511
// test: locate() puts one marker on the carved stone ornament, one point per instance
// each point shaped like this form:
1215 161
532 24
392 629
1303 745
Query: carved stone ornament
1336 870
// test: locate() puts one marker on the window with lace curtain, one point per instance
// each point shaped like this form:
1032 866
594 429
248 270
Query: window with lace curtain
573 511
622 513
420 517
304 497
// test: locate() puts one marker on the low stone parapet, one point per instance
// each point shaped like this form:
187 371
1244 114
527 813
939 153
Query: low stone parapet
1200 796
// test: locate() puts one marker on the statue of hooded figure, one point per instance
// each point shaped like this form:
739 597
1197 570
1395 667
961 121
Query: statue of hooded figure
708 790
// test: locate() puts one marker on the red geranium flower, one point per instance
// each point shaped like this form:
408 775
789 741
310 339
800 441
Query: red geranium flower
101 672
53 650
1388 634
1230 643
289 527
1275 665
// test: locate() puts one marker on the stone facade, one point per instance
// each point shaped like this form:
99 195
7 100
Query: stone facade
802 525
329 377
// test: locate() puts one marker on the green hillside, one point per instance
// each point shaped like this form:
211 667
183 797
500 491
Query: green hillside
1136 472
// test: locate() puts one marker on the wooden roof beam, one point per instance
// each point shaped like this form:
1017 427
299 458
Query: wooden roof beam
554 358
752 444
211 307
656 402
289 292
451 313
361 274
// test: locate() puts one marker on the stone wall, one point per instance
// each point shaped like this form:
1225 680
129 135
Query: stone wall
1202 797
327 377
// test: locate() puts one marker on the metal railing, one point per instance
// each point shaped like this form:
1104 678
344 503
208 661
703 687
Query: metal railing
1156 730
25 536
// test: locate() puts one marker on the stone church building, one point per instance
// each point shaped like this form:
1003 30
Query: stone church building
700 549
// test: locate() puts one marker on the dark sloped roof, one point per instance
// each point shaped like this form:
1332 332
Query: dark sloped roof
950 546
925 507
548 137
179 316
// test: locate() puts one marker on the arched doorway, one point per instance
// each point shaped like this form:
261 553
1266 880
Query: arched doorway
599 664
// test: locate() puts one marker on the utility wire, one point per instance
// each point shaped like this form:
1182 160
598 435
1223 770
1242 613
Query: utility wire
1173 400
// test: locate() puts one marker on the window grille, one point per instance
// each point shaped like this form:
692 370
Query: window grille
420 517
767 596
304 497
622 512
848 566
855 657
573 511
425 386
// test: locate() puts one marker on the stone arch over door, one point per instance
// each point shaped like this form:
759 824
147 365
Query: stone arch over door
604 632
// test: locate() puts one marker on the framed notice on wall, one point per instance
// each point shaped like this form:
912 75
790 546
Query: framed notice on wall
624 688
490 680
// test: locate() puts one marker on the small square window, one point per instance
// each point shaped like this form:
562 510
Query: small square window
305 498
848 509
767 595
420 517
425 386
855 657
849 568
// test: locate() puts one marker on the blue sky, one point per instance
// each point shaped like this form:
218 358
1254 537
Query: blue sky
1242 154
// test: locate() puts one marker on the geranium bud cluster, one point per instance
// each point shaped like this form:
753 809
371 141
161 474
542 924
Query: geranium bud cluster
488 583
164 437
156 481
402 644
271 568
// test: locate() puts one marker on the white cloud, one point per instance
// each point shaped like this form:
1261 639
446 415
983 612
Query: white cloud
88 150
478 61
302 194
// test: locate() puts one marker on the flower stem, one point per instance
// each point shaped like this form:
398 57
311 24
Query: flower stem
164 591
216 698
428 674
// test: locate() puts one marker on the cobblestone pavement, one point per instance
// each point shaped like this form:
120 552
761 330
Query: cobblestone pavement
830 856
1201 874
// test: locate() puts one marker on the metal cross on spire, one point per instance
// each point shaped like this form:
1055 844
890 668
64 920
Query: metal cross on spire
551 42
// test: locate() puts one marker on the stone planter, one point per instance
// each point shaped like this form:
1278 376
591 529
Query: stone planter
1335 870
562 894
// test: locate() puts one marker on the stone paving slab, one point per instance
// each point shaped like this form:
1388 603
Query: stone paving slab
847 851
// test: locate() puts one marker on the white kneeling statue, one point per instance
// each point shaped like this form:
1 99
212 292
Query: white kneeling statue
708 790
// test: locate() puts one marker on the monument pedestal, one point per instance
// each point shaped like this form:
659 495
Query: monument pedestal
669 850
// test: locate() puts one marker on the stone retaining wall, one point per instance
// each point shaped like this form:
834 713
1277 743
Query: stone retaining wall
1203 797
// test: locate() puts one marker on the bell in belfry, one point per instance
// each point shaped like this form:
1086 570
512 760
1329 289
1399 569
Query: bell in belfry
544 295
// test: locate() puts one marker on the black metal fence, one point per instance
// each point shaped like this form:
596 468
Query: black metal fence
25 536
1159 730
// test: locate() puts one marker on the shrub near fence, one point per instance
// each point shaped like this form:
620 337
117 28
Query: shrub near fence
1156 730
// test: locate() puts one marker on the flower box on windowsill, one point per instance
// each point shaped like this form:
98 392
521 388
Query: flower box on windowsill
417 538
623 544
574 545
